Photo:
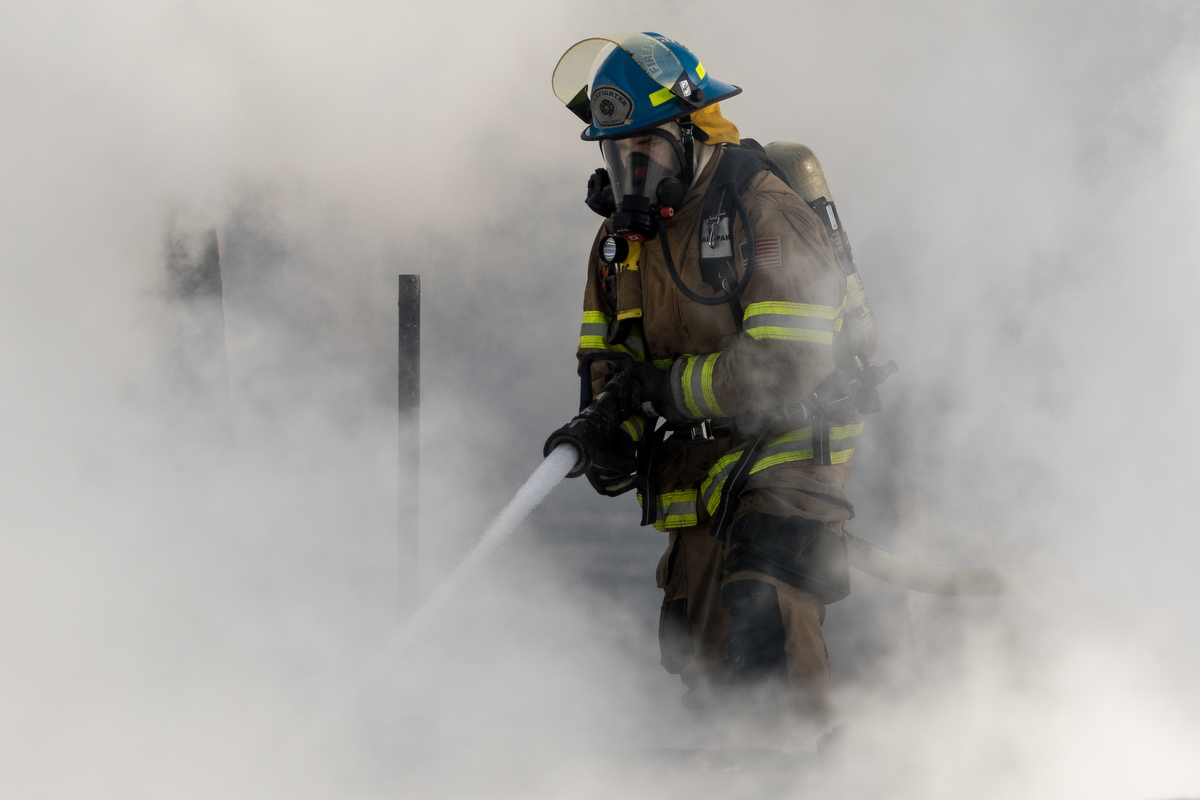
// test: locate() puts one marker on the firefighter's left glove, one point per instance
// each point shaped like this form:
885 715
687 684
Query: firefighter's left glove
614 466
658 392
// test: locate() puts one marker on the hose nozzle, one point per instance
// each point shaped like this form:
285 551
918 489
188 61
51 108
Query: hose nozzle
580 434
599 417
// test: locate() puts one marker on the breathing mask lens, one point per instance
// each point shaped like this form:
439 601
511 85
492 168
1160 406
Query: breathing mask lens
638 164
645 172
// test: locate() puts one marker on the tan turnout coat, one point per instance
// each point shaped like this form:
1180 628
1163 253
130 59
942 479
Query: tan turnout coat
793 308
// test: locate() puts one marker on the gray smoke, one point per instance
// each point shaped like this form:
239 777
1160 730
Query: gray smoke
199 549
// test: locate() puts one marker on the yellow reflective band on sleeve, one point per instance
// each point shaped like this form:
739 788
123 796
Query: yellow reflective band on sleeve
593 335
688 398
664 363
635 427
793 322
661 96
798 309
697 386
842 439
675 509
706 381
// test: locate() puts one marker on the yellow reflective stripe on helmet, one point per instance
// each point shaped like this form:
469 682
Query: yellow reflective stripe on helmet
794 322
635 427
697 386
593 335
794 446
675 509
661 96
700 73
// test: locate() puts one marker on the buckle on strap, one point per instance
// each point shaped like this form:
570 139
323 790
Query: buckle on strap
710 235
701 431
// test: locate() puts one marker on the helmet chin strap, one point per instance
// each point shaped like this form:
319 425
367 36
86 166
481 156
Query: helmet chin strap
696 153
704 154
689 158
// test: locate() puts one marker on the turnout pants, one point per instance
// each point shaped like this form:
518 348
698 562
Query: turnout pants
741 617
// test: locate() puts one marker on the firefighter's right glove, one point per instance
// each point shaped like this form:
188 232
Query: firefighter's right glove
657 391
614 466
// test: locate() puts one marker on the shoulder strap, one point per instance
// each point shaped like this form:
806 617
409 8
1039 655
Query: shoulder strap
738 166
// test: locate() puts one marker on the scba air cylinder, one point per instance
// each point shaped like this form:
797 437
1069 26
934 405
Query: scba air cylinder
860 334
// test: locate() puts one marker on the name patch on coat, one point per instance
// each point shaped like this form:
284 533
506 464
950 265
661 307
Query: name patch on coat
766 253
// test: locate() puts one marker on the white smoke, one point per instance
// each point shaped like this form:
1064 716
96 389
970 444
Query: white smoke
193 578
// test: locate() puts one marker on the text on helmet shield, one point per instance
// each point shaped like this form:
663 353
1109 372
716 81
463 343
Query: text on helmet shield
649 60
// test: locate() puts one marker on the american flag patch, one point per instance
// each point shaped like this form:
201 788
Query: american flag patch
766 253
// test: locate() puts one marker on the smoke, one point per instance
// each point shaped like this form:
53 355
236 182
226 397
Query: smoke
199 550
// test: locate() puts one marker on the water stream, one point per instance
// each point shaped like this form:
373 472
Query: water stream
543 480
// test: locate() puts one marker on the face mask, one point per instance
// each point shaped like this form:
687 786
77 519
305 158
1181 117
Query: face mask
650 175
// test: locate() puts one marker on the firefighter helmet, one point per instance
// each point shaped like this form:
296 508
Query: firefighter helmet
637 81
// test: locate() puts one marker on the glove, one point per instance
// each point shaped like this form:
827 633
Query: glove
614 466
610 483
657 389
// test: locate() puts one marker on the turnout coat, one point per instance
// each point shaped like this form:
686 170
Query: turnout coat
793 309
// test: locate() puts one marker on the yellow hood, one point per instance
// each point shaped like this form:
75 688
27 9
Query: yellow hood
719 129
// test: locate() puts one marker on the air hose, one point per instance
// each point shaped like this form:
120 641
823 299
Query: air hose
731 294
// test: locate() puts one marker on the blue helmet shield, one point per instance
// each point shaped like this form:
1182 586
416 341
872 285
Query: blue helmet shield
640 80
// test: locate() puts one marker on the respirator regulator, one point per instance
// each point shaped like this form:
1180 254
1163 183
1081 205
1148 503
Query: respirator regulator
648 174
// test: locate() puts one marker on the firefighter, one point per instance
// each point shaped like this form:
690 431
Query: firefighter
723 289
